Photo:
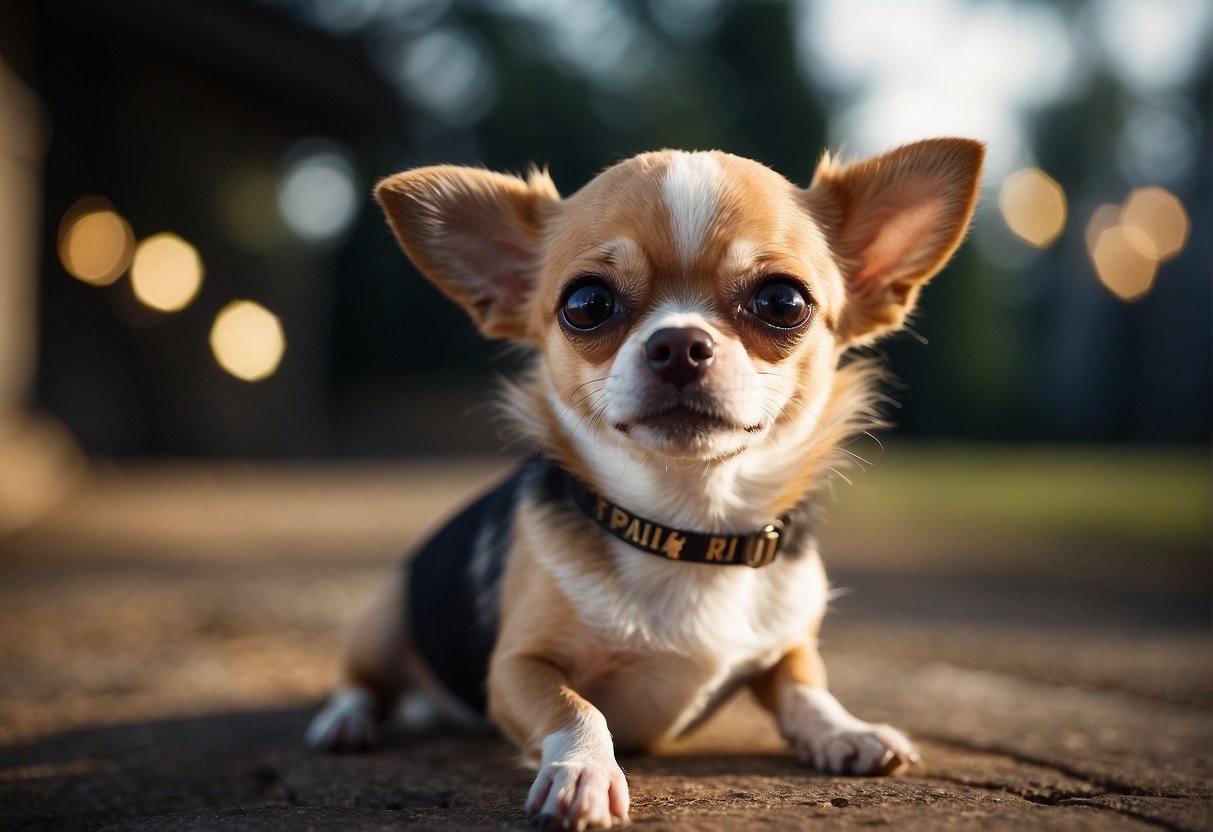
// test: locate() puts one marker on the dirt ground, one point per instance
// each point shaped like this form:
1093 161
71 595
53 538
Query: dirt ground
166 633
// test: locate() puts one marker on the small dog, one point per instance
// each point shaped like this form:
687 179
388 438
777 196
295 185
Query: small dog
690 315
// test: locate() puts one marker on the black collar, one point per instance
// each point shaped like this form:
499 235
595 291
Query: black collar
756 550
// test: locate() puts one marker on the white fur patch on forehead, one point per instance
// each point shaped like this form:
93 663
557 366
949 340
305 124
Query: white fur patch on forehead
691 187
677 313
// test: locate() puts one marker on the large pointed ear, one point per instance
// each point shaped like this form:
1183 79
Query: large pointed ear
893 221
476 235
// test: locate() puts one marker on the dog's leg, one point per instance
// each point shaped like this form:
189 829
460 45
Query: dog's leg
824 734
374 674
579 785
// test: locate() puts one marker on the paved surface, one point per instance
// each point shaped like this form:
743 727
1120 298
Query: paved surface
166 633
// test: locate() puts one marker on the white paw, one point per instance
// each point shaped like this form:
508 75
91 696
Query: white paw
576 795
830 739
347 723
861 749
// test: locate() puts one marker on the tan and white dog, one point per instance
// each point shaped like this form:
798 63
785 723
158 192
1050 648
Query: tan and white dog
690 316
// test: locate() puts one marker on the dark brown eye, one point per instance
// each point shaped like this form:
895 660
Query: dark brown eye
781 303
588 305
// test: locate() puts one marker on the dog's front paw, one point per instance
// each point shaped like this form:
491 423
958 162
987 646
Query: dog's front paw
347 723
830 739
577 795
857 749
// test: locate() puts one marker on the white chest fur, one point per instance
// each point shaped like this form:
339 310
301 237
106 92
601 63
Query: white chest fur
662 643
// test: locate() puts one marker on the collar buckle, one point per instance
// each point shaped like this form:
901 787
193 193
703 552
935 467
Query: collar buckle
762 547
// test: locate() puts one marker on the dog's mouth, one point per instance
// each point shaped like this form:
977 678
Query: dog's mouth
685 420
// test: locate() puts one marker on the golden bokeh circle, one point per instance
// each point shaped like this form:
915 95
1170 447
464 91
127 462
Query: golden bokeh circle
1033 206
247 340
1120 264
1160 217
166 272
96 247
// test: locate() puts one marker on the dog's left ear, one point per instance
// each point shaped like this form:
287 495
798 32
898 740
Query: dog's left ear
893 222
476 235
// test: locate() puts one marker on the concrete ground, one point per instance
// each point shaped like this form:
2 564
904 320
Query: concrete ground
167 631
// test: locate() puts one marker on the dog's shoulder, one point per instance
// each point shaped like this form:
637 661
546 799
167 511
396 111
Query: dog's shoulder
454 586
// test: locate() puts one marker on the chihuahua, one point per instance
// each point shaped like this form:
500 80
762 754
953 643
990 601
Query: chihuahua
690 317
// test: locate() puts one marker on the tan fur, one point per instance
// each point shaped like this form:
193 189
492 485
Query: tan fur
800 665
851 412
595 640
531 696
489 238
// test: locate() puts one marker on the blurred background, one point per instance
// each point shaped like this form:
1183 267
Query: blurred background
209 341
192 264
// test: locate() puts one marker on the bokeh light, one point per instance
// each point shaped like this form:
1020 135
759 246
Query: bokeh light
247 205
318 192
166 272
1152 45
1160 217
1033 206
1127 243
1120 264
247 340
1160 140
687 19
96 243
1102 218
448 72
344 15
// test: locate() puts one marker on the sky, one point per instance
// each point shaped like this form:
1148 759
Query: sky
932 67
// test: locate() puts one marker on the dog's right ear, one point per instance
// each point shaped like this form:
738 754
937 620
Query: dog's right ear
476 235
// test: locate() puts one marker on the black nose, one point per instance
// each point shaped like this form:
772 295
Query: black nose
680 355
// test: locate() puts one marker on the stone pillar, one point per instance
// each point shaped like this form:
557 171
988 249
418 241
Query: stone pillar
39 462
21 139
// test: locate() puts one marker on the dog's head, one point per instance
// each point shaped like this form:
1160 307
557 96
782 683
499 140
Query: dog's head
687 303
